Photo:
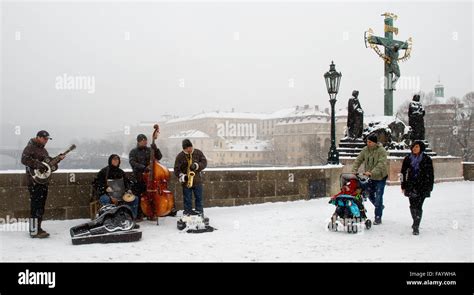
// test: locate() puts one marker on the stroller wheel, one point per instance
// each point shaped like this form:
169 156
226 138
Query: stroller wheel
368 224
352 228
332 226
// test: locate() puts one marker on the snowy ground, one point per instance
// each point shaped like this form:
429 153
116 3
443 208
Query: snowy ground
293 231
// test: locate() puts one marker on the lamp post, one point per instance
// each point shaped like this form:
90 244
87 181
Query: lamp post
333 79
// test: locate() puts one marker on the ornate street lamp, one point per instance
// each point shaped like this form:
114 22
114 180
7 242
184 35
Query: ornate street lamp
333 78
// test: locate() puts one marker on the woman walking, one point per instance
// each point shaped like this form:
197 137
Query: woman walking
417 181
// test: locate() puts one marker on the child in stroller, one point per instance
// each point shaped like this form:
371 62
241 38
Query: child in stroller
350 209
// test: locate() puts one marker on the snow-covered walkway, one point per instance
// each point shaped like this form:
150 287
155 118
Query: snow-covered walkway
294 231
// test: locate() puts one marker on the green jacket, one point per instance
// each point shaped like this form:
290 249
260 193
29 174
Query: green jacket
375 162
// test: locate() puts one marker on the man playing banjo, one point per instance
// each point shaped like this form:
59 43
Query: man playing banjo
33 157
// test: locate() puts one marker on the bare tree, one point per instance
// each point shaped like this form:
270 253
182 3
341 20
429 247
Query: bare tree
402 112
454 100
464 120
314 153
425 98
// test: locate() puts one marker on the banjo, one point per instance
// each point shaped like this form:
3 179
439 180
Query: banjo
42 177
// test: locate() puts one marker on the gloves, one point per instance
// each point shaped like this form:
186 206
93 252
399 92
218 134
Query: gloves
194 166
183 178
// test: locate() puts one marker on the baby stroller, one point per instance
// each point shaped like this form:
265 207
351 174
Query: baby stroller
350 210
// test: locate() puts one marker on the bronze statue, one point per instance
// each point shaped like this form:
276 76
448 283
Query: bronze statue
355 117
393 68
415 119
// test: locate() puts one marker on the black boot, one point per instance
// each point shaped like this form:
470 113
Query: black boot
416 231
378 220
416 221
413 216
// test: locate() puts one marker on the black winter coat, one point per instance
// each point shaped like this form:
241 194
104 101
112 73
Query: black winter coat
139 159
32 156
423 183
181 165
110 172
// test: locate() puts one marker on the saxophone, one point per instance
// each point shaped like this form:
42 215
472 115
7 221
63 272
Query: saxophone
190 173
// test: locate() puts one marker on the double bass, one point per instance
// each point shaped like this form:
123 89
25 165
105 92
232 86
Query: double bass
157 200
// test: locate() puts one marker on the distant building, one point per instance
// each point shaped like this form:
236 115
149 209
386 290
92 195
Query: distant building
303 136
447 124
293 136
439 121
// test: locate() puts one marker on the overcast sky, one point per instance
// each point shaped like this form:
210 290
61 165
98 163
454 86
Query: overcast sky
179 58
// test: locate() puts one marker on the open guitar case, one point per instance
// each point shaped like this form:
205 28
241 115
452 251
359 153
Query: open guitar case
114 224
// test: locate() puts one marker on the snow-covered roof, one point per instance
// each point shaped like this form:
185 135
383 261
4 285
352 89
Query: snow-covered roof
223 115
193 133
307 110
304 120
304 114
282 113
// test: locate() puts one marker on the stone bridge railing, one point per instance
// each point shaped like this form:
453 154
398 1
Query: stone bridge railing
70 191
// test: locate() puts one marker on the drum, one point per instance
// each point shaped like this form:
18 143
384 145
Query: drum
128 197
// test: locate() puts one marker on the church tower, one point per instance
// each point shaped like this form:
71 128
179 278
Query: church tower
439 91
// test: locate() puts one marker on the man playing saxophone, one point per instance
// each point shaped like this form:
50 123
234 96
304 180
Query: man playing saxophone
187 167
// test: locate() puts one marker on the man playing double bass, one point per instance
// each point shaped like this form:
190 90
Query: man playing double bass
139 158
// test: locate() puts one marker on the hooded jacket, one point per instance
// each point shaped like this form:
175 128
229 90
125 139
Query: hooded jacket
110 172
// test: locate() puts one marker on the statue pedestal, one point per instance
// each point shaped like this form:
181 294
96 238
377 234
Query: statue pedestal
349 147
390 131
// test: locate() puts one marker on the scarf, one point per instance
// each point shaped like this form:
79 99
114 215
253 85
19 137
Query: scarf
415 164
